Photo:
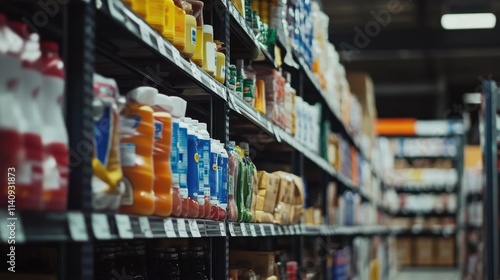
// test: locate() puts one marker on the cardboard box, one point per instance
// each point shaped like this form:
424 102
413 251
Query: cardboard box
261 262
424 251
404 251
445 251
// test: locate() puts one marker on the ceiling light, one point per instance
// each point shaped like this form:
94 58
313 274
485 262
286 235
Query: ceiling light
468 21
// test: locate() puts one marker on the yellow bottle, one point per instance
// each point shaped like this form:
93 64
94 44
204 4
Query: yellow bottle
155 14
139 6
169 21
208 42
180 29
199 52
190 44
220 61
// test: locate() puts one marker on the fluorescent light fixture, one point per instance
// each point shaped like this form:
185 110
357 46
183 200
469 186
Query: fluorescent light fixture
468 21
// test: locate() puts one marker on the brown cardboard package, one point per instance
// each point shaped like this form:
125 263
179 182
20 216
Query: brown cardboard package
424 251
404 247
261 262
445 251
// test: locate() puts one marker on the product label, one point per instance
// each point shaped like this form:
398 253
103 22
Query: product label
182 159
193 35
230 186
223 179
103 131
214 180
158 130
127 154
174 154
193 167
128 195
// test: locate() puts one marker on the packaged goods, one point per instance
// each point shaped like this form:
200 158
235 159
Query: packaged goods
169 20
180 26
223 171
209 64
242 189
220 73
204 167
232 184
196 210
248 185
214 180
190 29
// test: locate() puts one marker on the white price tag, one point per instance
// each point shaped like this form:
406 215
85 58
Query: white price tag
292 230
231 230
77 227
181 228
252 230
233 104
161 45
145 32
213 86
169 228
222 229
176 56
124 226
145 227
277 133
195 71
243 230
262 230
280 231
100 226
273 230
297 229
193 226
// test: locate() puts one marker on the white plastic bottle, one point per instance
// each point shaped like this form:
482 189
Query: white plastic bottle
205 148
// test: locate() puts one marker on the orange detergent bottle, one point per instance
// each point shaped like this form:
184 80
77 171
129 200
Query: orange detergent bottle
161 157
136 151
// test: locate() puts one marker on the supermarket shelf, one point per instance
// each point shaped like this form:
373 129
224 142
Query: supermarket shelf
442 190
438 230
121 20
402 156
422 213
243 31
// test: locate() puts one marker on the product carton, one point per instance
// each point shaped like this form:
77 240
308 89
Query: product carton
424 251
445 251
404 247
261 262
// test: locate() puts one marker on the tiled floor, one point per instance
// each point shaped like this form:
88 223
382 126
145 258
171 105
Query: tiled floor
428 274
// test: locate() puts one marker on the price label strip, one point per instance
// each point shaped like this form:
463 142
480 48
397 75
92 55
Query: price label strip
145 227
213 86
193 227
124 226
176 56
222 229
262 230
100 226
195 71
243 230
161 45
77 226
273 230
231 229
169 228
253 231
145 32
181 228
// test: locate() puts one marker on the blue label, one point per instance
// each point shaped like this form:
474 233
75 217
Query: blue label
192 168
214 179
158 130
174 153
133 121
103 136
223 169
182 158
204 165
193 35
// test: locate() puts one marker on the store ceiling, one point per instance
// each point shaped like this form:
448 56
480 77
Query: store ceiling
419 69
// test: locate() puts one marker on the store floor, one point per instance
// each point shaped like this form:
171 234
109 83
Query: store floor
426 273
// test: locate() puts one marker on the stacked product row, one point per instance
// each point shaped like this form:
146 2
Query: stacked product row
254 265
425 147
428 202
181 22
34 148
422 222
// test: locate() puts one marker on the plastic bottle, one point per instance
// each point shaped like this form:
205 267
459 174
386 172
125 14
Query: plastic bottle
155 13
169 20
55 136
187 207
177 108
107 173
190 28
205 165
214 180
136 150
12 122
161 157
239 78
180 26
208 44
232 185
220 73
199 52
139 6
248 182
192 171
29 180
222 165
242 185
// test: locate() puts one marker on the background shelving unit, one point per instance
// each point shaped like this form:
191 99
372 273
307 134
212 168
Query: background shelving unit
106 37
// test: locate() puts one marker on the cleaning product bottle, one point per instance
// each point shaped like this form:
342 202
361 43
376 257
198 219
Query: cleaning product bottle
176 106
55 136
208 44
180 26
169 20
205 152
107 173
193 171
136 151
199 52
155 14
222 165
12 122
29 181
214 180
220 73
161 157
248 182
242 186
190 28
232 183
